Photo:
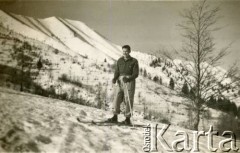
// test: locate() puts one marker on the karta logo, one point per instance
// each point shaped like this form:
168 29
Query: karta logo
154 137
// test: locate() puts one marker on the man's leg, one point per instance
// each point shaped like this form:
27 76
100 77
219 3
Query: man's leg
129 95
118 98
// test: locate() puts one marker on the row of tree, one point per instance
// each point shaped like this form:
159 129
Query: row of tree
158 62
157 79
222 104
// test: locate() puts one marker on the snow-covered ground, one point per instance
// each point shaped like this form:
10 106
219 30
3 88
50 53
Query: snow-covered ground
34 123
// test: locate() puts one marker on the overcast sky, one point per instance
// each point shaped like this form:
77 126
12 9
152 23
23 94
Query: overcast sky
146 26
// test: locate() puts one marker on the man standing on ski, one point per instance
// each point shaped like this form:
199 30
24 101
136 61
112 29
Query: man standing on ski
126 72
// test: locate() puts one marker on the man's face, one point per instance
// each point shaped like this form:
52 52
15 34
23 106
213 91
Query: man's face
126 52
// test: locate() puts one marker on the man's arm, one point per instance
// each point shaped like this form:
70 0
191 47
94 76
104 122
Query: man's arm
116 73
135 71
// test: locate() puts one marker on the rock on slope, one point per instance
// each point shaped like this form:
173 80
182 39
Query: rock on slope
40 124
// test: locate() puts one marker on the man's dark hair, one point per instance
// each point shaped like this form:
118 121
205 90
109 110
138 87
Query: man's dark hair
127 47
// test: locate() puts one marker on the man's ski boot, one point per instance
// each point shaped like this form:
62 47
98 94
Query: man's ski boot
127 121
113 119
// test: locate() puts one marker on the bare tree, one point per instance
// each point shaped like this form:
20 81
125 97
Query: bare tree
200 57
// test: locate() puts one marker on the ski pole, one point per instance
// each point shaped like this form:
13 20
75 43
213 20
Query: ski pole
131 111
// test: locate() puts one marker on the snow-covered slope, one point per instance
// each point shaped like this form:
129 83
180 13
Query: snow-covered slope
47 125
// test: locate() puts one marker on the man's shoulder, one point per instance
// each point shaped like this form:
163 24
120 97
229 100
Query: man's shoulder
134 59
120 59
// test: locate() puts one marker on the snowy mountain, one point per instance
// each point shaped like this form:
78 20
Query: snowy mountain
71 37
78 66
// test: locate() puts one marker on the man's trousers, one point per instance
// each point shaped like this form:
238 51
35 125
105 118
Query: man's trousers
123 90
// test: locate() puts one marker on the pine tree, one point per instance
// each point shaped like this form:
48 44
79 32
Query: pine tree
145 73
39 64
212 102
99 97
73 94
171 84
192 93
155 79
163 68
185 89
160 80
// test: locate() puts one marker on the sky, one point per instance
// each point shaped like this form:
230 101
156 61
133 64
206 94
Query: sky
147 26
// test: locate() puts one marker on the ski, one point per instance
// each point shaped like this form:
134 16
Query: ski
105 123
93 122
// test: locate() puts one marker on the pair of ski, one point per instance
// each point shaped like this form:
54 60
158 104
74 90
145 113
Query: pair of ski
106 123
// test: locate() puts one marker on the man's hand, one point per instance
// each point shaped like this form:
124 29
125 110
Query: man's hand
114 81
125 79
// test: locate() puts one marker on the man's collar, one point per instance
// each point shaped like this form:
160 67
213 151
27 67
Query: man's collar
129 58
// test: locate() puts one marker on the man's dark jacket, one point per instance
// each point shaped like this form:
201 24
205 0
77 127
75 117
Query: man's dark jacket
127 67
